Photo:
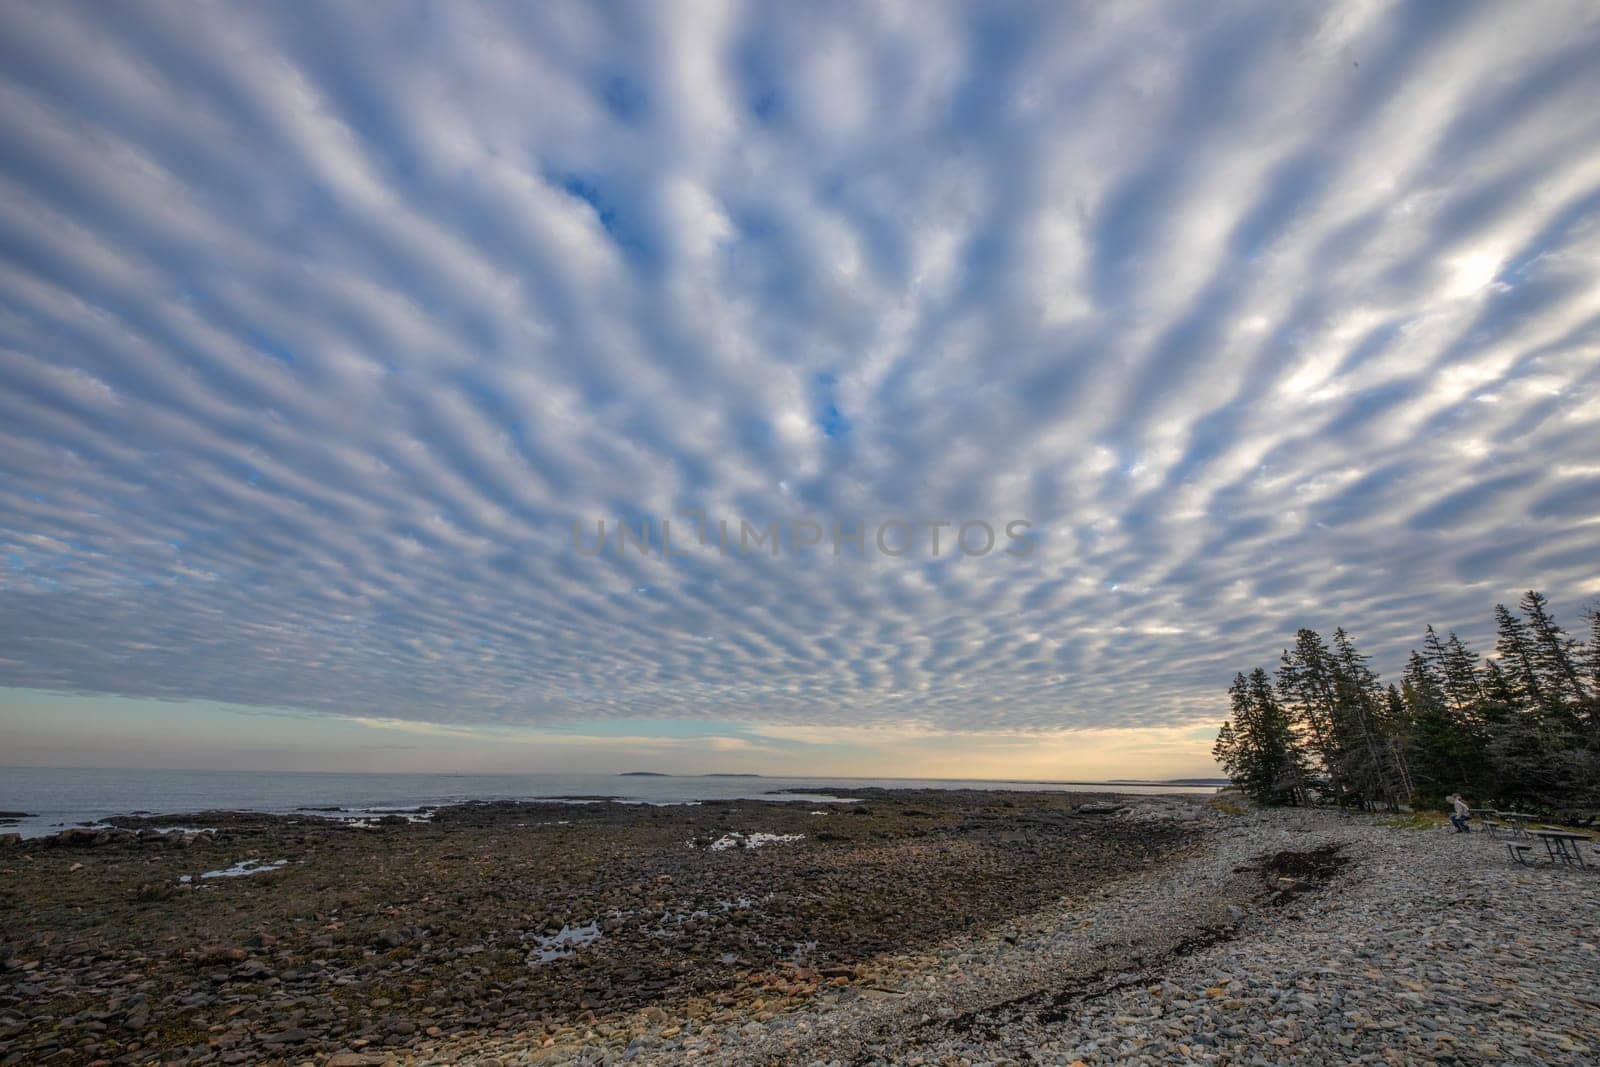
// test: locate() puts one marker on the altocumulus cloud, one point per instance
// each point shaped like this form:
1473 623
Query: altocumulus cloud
320 326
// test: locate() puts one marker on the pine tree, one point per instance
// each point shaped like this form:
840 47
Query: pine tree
1456 666
1280 746
1514 646
1521 728
1592 680
1307 692
1373 761
1555 658
1226 749
1257 745
1430 728
1397 743
1592 660
1395 702
1445 720
1424 686
1237 746
1499 695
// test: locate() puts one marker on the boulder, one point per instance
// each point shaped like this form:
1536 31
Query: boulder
1099 809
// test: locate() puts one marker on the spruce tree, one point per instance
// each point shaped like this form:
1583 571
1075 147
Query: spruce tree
1592 660
1238 745
1375 766
1460 738
1555 657
1432 729
1257 745
1514 647
1592 681
1226 749
1456 666
1521 728
1281 748
1499 694
1307 691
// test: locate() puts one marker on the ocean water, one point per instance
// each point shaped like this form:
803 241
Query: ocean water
54 798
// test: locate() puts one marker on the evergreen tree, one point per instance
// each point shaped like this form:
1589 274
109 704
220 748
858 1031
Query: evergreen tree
1375 768
1396 703
1555 654
1442 741
1519 729
1514 647
1307 691
1499 695
1592 681
1456 667
1279 743
1237 747
1397 742
1444 722
1592 660
1226 748
1422 688
1257 745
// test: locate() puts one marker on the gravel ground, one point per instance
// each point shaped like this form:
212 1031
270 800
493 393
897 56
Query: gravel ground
963 930
1394 946
286 939
1425 946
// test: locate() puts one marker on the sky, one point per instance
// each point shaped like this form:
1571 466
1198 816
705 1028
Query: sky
331 334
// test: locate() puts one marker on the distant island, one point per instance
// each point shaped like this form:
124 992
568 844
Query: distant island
1219 782
662 774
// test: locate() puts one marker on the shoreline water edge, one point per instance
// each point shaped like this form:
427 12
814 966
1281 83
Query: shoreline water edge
40 801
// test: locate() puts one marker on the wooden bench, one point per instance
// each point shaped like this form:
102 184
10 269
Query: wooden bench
1517 850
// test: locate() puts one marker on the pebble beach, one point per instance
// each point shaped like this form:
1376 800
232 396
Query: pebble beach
936 927
1425 946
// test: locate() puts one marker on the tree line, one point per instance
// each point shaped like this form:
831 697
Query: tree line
1517 729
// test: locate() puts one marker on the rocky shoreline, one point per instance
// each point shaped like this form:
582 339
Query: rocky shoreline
240 938
928 926
1384 945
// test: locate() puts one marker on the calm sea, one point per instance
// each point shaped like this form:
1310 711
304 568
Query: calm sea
54 798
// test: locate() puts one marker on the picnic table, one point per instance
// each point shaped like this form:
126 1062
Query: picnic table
1562 846
1518 821
1486 816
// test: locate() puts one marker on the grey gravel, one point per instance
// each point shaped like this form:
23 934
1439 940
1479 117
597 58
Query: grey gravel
1427 946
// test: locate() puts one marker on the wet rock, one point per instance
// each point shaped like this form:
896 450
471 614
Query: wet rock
292 1036
423 939
1100 809
251 970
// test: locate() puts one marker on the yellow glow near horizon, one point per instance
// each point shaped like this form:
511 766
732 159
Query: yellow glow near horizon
54 729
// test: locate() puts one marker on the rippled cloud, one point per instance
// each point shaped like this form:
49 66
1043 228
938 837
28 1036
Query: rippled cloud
321 326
